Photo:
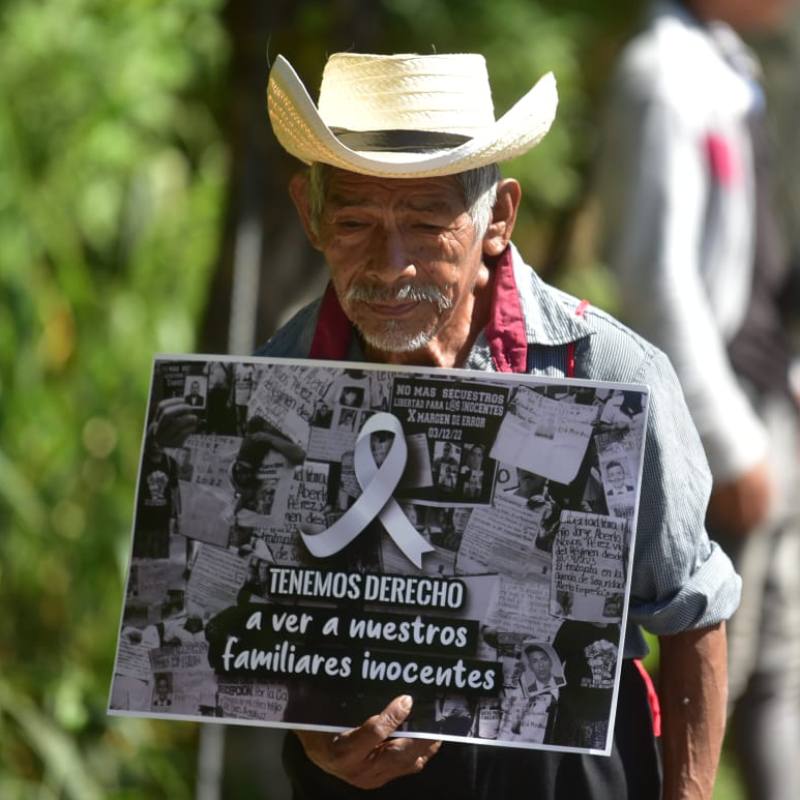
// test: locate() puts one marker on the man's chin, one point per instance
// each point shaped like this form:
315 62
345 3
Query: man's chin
388 341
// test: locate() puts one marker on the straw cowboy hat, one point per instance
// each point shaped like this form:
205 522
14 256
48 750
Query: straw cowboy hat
404 116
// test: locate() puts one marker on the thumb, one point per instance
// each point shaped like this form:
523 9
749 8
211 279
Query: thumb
396 713
366 737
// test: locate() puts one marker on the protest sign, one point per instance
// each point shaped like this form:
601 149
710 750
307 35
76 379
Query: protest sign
332 535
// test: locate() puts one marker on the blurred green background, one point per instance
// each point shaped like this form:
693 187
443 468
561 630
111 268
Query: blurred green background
142 210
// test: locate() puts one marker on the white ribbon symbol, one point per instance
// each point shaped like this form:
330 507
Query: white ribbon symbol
378 484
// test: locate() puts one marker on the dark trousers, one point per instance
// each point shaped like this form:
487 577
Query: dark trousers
481 772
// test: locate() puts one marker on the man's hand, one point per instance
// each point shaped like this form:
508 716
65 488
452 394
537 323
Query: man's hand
738 507
174 422
364 756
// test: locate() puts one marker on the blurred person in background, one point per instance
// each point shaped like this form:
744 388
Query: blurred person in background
689 229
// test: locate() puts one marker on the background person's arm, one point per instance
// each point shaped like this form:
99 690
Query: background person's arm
693 693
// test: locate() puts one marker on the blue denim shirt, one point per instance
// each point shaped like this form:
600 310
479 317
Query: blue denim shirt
681 579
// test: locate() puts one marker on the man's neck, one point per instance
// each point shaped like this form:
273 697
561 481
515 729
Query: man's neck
452 345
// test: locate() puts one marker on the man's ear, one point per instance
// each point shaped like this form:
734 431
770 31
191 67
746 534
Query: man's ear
504 217
298 191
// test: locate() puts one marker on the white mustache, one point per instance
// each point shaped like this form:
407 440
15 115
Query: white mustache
368 293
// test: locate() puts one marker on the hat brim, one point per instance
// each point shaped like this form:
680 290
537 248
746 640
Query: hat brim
302 132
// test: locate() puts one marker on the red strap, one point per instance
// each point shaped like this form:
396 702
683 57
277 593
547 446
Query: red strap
652 696
332 335
726 166
580 310
505 331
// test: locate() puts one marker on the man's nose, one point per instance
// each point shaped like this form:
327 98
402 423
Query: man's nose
394 261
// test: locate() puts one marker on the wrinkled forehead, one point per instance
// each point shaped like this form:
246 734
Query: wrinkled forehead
443 193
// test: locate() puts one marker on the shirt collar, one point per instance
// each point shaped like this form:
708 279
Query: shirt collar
549 319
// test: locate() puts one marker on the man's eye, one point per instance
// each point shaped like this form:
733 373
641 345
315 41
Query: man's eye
427 227
351 224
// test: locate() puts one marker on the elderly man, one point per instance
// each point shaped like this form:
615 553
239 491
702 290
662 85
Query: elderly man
404 199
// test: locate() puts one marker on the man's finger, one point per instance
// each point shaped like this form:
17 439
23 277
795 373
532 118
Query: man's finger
407 750
359 742
426 755
173 430
170 406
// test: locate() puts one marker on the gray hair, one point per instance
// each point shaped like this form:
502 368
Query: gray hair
479 187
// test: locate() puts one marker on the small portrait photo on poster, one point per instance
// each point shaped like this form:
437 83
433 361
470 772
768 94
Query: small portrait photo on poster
194 391
446 462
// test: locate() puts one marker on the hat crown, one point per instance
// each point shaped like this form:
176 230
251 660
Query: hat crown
448 93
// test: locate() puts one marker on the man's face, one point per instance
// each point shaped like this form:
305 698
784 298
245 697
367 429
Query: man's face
273 467
475 457
403 255
380 446
529 483
540 665
195 388
616 475
217 377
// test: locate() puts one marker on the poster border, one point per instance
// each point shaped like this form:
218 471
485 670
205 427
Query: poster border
514 378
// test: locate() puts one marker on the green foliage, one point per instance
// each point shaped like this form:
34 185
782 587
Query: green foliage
111 174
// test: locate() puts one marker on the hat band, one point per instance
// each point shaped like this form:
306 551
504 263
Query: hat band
399 141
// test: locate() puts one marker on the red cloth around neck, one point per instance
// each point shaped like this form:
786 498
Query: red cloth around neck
333 332
505 331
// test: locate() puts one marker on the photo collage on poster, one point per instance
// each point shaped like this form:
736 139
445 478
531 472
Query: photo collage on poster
312 539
